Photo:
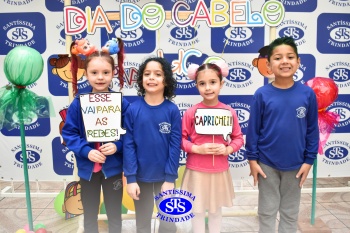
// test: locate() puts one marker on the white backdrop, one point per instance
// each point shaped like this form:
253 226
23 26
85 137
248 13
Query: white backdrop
321 29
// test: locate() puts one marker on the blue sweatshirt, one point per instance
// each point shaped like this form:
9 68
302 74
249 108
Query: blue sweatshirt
152 142
283 127
73 133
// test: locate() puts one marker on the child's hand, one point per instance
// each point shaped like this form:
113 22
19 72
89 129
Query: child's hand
255 169
221 149
303 172
206 148
108 148
96 156
133 190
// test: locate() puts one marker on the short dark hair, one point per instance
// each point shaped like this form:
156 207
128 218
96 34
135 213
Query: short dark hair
279 41
169 81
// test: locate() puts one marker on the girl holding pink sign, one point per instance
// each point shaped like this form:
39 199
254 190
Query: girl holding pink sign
208 142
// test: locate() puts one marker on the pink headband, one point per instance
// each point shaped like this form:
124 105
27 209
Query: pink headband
192 69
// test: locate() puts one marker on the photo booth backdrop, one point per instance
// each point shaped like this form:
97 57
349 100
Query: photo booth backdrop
320 28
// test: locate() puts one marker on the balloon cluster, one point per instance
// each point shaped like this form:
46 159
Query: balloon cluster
326 93
39 228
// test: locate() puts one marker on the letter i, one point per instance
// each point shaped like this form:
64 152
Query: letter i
88 17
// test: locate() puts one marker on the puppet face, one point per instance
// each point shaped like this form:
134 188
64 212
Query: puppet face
65 73
111 47
83 47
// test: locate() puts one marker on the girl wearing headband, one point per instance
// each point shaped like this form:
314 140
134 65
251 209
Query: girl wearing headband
207 174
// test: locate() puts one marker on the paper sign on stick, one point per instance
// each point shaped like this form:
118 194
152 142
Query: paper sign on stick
215 121
102 116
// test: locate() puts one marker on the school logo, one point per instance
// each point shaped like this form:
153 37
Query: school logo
299 5
340 72
57 5
293 28
183 37
33 155
342 108
301 112
174 205
18 2
240 74
238 159
340 3
336 153
183 158
62 157
333 32
165 127
306 69
237 39
22 29
139 40
61 39
243 112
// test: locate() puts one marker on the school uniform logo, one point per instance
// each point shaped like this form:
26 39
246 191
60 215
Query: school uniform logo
293 28
336 153
301 112
165 127
139 40
22 29
333 33
299 5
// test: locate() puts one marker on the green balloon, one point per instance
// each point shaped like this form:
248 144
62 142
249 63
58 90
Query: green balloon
59 201
23 65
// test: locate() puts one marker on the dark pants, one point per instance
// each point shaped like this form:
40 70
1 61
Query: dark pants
144 209
112 195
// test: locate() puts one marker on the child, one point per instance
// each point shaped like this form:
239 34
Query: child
99 68
207 174
282 139
152 141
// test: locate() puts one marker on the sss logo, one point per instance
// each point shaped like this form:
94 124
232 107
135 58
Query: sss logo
336 152
238 34
175 206
340 34
185 33
344 113
340 74
294 32
238 75
32 156
238 156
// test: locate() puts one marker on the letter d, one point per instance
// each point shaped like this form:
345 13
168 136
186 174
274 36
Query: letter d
74 20
130 17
